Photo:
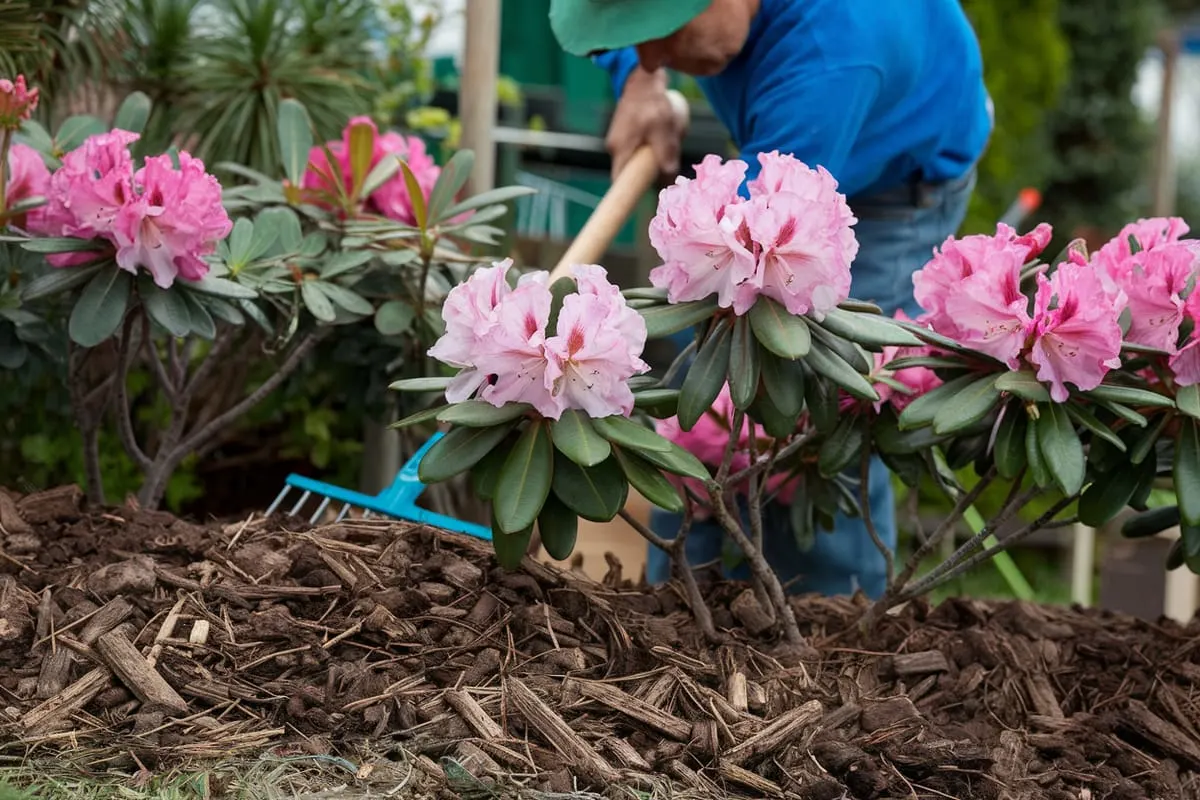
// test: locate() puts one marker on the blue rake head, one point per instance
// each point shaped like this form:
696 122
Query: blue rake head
398 500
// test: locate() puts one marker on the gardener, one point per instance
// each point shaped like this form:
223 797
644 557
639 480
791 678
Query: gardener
888 95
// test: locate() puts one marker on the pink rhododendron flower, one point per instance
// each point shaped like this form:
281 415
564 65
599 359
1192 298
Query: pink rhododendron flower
497 337
918 380
1077 334
791 240
174 219
971 290
391 199
17 102
707 441
1185 363
93 183
27 177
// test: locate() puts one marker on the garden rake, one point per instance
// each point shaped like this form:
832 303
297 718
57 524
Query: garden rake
399 500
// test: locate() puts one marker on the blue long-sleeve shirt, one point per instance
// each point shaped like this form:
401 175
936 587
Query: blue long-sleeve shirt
879 92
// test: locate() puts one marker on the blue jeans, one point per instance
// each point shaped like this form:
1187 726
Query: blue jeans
897 231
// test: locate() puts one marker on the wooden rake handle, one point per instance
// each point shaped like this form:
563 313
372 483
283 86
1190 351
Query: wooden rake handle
617 204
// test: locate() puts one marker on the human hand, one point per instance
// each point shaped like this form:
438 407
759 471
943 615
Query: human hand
645 115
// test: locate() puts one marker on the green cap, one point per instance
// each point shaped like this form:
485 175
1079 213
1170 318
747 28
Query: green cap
586 26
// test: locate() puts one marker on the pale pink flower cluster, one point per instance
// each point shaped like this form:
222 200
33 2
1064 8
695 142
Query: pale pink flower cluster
497 336
917 380
158 218
17 102
791 240
707 441
1071 333
27 176
392 198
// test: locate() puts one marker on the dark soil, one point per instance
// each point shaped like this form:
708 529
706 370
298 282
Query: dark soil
134 635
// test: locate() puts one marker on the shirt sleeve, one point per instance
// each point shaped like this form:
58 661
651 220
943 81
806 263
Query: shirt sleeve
816 119
619 64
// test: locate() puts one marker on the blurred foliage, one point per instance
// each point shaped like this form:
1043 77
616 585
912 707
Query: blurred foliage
1025 62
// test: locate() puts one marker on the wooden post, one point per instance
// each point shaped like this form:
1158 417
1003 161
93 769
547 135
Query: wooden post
1164 178
477 90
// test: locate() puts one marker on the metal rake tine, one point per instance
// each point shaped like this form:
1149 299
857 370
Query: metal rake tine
366 514
342 514
278 499
303 499
320 510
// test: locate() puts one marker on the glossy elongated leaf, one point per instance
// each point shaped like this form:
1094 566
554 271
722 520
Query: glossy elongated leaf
832 366
669 319
419 417
416 197
822 401
1061 449
434 384
525 479
1023 384
486 474
629 434
677 461
660 403
133 113
596 493
1151 522
58 281
1107 496
649 481
62 244
1187 400
1175 556
101 307
1187 470
452 178
783 381
458 451
764 412
295 138
1033 455
929 362
891 440
1008 451
500 195
743 364
380 174
1088 420
845 349
510 548
922 410
841 448
908 467
1143 447
969 406
576 438
786 335
74 130
167 307
1124 412
869 330
482 414
1130 396
558 295
222 287
559 528
705 378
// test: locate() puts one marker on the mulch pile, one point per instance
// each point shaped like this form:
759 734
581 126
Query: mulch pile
144 637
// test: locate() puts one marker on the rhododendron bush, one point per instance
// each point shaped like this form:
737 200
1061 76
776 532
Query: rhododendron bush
151 263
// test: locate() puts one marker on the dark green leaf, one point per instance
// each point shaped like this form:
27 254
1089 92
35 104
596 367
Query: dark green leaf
425 415
200 319
963 451
597 493
1187 400
660 403
908 467
1151 522
800 515
929 362
510 548
1088 420
559 528
394 318
969 406
458 451
678 461
1107 496
649 481
577 439
743 365
783 382
842 448
869 330
1061 449
318 302
63 244
167 307
482 414
525 480
101 307
1175 555
1009 450
829 364
58 281
1187 470
1144 446
351 301
1124 412
822 400
764 412
221 287
625 432
486 474
786 335
1033 455
1023 384
558 294
705 378
662 321
1129 396
848 351
922 410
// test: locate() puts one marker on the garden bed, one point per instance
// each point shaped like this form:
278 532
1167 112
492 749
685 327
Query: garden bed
137 637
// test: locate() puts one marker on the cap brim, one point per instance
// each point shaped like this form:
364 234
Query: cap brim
583 27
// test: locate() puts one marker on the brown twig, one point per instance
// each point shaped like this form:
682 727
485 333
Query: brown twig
169 387
124 413
864 498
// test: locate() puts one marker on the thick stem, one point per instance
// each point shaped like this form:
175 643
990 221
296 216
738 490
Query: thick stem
86 420
864 498
124 412
677 548
755 501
